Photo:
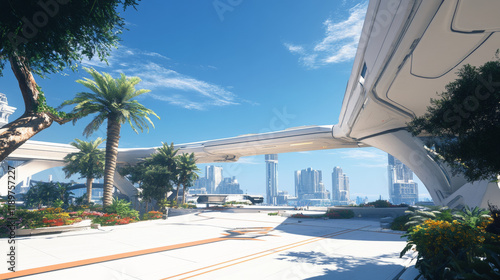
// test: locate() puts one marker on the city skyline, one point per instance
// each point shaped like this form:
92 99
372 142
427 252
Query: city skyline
214 182
205 93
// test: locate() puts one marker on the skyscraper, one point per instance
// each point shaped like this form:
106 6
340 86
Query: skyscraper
309 184
340 187
214 177
272 179
402 188
229 185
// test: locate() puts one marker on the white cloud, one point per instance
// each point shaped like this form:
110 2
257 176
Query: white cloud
363 154
366 158
294 48
339 44
166 84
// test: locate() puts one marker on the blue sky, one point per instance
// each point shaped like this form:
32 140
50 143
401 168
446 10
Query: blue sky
224 68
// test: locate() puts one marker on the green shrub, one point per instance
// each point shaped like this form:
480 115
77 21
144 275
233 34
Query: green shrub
272 214
495 215
380 203
187 206
339 214
122 208
454 249
400 223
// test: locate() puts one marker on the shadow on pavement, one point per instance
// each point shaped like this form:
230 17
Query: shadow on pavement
341 267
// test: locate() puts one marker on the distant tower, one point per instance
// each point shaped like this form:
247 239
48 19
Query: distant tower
214 177
340 186
337 182
272 179
402 188
5 110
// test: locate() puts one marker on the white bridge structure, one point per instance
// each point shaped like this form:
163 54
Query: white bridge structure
408 51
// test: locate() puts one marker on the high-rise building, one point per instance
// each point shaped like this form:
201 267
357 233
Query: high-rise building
200 186
214 183
340 187
402 188
214 177
309 185
272 179
5 110
229 186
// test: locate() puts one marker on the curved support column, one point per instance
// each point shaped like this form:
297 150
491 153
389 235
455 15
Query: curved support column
28 169
126 187
444 188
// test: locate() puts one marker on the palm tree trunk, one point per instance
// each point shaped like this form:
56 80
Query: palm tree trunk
177 195
89 190
113 137
183 194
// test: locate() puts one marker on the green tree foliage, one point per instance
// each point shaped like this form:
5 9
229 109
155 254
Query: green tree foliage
112 100
156 175
187 172
46 36
46 194
464 123
88 162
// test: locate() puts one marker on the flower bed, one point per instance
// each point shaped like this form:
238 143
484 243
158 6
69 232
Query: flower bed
339 214
60 219
111 220
458 248
302 216
152 215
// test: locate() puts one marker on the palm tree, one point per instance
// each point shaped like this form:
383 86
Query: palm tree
166 157
187 173
88 162
112 100
155 174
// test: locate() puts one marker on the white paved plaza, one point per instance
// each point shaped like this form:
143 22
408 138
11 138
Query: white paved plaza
215 245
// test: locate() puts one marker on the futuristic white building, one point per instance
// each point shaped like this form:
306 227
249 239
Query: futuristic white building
408 51
5 110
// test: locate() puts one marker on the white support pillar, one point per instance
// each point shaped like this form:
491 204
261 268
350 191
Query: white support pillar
445 188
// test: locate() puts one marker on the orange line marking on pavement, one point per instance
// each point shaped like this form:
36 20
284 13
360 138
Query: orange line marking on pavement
273 250
31 271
